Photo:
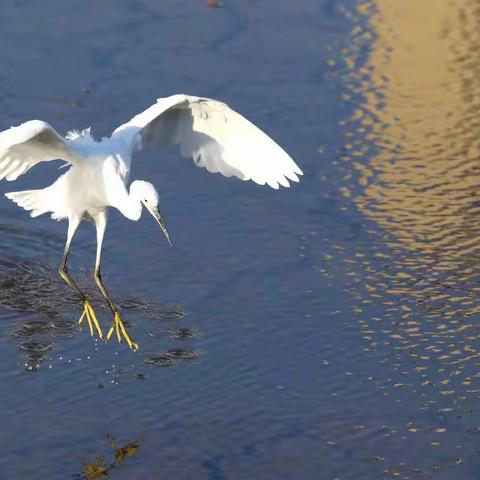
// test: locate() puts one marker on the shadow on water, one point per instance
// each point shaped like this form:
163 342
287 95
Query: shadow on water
35 288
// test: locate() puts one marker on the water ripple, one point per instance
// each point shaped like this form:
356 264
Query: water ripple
410 167
33 289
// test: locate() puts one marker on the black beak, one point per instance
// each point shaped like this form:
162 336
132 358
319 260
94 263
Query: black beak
156 214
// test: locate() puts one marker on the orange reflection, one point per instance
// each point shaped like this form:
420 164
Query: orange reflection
414 142
419 125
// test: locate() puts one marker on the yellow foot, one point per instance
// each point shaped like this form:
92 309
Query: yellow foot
92 321
119 328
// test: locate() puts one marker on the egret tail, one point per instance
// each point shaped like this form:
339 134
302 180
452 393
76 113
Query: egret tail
44 200
33 200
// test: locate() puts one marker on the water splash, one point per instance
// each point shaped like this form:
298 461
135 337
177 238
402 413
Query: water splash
35 289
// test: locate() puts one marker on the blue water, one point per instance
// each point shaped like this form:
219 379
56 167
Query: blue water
282 359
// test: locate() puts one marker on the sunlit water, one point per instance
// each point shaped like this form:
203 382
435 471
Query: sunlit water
327 331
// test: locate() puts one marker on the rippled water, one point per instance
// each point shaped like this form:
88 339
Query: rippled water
328 331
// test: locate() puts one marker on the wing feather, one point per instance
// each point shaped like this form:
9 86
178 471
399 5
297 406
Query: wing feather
215 136
30 143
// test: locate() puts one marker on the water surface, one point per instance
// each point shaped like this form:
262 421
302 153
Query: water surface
326 331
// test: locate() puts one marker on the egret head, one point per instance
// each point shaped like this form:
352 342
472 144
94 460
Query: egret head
147 194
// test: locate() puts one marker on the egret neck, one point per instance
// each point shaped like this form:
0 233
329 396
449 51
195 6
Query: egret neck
130 204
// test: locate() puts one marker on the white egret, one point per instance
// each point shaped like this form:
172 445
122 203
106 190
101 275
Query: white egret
217 138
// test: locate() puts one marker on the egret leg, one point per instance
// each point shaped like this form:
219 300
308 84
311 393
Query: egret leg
88 311
117 326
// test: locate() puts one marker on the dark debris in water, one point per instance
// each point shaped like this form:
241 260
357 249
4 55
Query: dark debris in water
151 310
175 333
36 287
64 325
29 329
100 469
68 105
184 333
161 360
35 347
171 356
33 288
33 362
182 353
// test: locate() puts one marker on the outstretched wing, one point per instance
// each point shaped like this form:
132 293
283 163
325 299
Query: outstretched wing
217 137
30 143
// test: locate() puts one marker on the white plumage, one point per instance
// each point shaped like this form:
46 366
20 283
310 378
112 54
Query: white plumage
216 137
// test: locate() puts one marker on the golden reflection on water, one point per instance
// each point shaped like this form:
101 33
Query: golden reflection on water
414 142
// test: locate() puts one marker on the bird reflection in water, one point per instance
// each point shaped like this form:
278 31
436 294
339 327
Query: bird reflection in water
99 469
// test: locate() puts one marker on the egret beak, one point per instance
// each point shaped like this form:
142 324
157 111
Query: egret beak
156 214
